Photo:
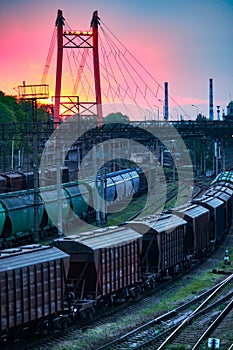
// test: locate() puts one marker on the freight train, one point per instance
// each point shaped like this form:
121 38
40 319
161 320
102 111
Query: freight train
49 287
17 208
18 181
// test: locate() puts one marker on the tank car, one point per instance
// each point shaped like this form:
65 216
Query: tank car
120 185
77 201
147 176
17 217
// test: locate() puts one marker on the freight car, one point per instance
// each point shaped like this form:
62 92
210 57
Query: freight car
17 208
2 184
52 286
14 182
227 200
229 191
32 287
104 265
43 288
224 179
216 208
163 250
23 180
197 241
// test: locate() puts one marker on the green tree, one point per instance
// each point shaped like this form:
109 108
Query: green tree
7 115
116 118
16 124
22 110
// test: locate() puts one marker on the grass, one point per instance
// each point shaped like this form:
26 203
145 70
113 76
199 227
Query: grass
188 287
179 347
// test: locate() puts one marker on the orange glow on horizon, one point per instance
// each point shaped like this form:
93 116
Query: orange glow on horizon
167 44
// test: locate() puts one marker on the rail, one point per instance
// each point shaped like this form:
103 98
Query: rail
150 331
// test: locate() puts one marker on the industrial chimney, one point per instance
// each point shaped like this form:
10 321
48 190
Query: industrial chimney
211 101
166 102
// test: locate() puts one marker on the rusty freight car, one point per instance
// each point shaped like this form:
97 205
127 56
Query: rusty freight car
216 208
32 287
228 191
104 264
163 250
197 239
227 200
14 181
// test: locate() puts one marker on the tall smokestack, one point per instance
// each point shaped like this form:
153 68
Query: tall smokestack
166 102
211 101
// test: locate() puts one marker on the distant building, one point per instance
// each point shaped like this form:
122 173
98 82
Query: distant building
229 115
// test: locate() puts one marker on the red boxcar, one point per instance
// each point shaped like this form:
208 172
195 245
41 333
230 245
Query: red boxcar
163 250
32 285
197 238
3 187
228 191
216 208
14 181
104 262
227 199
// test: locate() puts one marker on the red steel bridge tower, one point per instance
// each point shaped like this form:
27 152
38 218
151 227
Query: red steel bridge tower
77 40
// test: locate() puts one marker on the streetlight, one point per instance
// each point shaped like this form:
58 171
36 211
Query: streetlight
150 114
196 108
176 110
163 105
157 110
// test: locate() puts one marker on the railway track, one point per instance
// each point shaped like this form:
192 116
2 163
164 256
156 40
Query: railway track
136 207
107 315
156 206
49 341
174 327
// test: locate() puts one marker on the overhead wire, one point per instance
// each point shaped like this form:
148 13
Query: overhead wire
119 89
146 71
138 91
120 71
49 58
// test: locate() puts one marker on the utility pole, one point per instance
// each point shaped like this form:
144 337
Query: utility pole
59 190
33 93
60 21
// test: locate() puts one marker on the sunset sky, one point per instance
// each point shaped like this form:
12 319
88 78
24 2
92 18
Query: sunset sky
182 42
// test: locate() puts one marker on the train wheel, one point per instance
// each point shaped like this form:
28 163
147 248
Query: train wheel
91 313
83 314
65 323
